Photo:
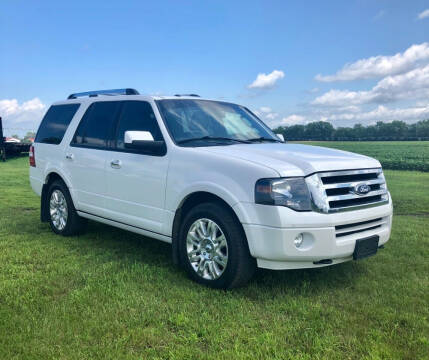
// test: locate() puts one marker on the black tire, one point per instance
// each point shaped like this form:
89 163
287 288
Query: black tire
240 265
74 224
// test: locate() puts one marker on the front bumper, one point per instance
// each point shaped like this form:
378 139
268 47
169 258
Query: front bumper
273 246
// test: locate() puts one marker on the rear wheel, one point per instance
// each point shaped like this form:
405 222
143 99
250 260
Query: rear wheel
63 217
213 247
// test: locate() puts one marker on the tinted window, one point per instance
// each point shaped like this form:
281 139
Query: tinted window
137 116
97 124
55 123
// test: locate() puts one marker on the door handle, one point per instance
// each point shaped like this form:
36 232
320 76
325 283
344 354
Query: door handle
69 156
116 164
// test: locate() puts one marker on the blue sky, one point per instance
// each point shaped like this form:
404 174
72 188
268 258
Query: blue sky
217 49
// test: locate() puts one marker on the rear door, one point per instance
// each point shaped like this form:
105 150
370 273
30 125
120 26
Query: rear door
136 181
48 139
87 154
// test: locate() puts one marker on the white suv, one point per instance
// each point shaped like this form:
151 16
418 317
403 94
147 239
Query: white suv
208 177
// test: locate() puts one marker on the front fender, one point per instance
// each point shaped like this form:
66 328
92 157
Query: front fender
204 186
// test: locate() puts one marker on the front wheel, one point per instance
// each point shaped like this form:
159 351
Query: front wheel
213 247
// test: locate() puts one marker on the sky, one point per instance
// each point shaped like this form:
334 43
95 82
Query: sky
292 62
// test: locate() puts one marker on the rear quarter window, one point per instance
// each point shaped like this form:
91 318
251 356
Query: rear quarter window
55 123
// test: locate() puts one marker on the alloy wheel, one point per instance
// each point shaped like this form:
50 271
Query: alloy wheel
58 210
207 249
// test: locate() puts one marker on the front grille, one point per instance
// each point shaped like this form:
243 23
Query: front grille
349 229
341 189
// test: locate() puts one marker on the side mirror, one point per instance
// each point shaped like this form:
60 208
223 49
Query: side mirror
281 137
143 142
131 136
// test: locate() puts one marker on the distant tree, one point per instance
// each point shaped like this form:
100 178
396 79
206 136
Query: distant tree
344 133
412 131
399 128
29 135
321 130
359 132
294 132
422 129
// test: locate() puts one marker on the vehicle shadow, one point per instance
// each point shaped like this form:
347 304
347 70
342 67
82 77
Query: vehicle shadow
123 246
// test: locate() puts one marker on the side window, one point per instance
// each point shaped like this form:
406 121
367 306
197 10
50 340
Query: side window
137 116
55 123
97 124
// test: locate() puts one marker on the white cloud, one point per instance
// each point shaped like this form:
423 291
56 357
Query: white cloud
266 81
411 85
423 14
265 109
383 113
353 115
293 119
266 113
379 66
342 97
272 116
20 118
404 82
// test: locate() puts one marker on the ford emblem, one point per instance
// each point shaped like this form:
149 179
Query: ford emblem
362 189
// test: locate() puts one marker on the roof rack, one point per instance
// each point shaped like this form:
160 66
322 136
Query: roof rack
194 95
111 92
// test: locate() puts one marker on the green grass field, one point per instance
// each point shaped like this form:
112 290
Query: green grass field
396 155
110 294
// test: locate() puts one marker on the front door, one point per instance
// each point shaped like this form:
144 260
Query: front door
135 181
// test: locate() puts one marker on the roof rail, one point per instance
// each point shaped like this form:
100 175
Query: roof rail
126 91
194 95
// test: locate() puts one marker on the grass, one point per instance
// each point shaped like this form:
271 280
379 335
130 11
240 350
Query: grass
396 155
110 294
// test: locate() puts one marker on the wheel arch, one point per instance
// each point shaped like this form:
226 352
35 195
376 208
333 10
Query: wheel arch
190 201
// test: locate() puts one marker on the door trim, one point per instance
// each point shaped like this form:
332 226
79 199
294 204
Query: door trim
113 222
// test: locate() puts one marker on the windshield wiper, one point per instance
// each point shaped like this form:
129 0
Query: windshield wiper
215 138
261 139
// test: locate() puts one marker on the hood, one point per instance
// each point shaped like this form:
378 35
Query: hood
296 159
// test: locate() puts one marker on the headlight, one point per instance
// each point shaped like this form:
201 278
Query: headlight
292 192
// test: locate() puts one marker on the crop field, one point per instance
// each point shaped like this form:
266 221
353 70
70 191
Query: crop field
395 155
110 294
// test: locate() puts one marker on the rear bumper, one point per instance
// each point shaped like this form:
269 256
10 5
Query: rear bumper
274 248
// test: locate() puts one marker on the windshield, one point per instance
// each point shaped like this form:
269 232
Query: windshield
199 122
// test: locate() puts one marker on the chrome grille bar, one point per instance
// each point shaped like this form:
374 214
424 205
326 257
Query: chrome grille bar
346 190
351 172
353 184
355 196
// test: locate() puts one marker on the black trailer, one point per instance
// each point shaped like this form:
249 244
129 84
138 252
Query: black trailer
8 149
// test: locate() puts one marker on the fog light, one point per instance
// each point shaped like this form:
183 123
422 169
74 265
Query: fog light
298 240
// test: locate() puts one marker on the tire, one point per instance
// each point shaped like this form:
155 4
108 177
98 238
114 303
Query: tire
68 223
203 258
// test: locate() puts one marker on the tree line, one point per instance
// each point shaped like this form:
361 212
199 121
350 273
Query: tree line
27 137
322 130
